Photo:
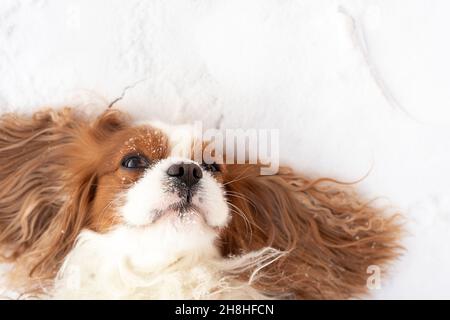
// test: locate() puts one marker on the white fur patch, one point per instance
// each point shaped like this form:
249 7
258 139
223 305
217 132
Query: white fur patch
152 264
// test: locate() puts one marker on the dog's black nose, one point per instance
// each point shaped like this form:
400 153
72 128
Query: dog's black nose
189 173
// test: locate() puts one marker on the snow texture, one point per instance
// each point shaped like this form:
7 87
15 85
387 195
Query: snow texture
352 85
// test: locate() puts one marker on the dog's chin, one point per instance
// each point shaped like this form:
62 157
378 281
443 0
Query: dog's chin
182 216
186 219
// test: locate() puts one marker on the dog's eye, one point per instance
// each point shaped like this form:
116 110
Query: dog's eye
135 162
213 167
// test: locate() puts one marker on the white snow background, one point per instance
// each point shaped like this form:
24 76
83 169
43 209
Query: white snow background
350 84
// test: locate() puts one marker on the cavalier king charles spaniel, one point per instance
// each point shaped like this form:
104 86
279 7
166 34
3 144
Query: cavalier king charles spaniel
110 208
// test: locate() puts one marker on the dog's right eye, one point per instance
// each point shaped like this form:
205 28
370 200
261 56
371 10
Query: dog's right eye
212 167
135 162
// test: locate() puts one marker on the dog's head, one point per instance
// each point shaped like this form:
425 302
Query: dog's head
147 191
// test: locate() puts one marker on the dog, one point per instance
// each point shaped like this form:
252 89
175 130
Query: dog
111 208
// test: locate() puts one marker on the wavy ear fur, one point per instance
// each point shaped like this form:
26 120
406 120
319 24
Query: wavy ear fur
43 204
331 235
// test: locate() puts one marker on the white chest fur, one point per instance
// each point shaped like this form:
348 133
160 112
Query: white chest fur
132 264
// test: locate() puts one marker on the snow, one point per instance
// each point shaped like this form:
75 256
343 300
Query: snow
352 85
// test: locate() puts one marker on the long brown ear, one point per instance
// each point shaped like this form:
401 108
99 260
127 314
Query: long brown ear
45 189
31 162
332 236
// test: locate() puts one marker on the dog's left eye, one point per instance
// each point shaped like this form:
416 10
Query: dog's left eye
135 162
213 167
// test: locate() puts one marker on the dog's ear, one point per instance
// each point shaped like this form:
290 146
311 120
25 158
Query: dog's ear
31 162
47 182
332 237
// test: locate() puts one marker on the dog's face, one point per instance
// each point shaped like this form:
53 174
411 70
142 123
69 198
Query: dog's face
148 187
159 187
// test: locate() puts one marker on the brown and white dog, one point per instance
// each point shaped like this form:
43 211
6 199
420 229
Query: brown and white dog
106 208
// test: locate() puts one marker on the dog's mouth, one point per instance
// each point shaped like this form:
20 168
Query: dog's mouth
181 211
183 206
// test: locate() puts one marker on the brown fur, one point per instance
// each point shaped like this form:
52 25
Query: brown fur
32 153
59 173
330 233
